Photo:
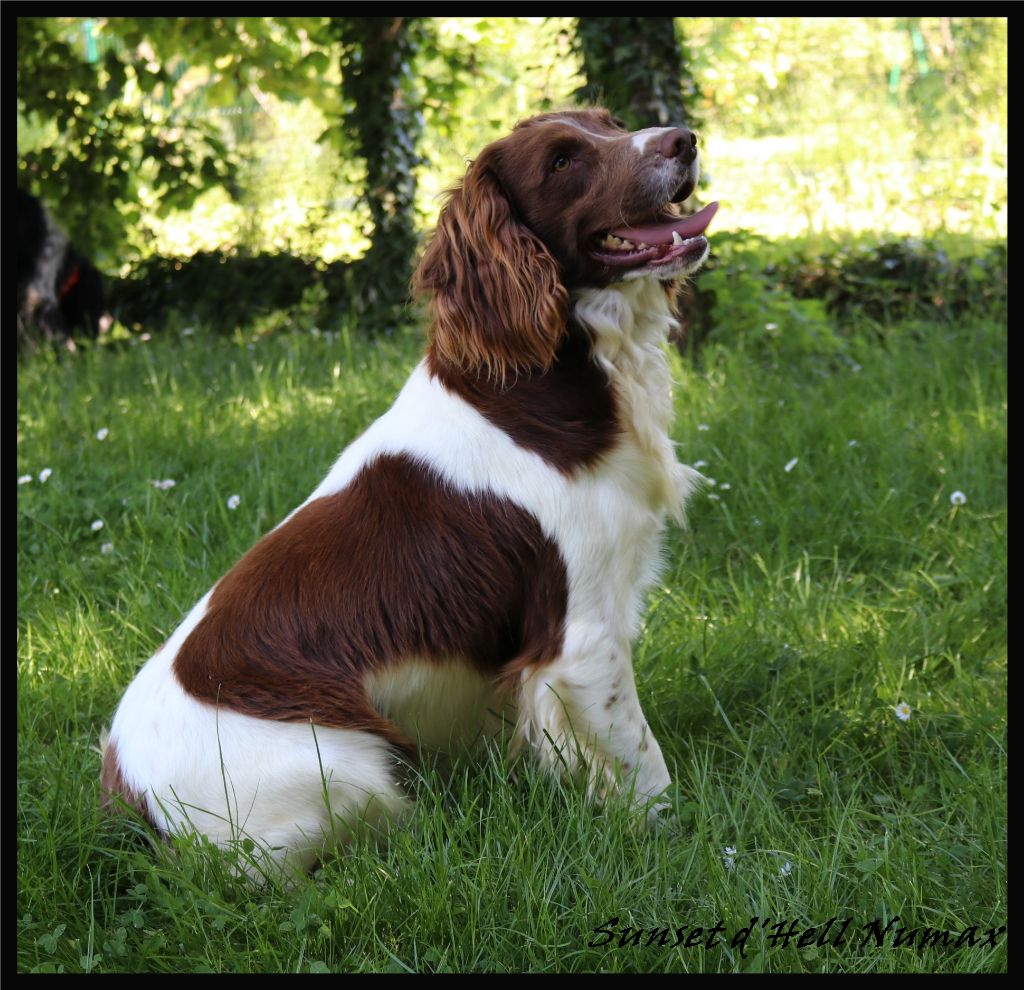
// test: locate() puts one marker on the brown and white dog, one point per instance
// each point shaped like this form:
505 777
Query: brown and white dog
482 549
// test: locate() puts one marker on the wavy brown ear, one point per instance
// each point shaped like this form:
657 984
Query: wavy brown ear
498 303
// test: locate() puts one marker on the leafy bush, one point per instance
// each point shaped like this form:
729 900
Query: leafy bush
899 279
227 291
791 296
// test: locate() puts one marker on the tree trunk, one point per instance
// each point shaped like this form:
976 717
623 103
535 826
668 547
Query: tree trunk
636 66
376 70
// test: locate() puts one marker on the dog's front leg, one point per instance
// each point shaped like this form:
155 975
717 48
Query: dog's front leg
581 713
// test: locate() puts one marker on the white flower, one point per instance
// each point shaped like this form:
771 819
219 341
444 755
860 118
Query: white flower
24 479
725 488
728 860
851 443
711 482
790 465
699 464
771 326
97 526
715 498
786 869
957 498
902 711
164 485
102 434
107 548
703 427
45 473
234 502
187 331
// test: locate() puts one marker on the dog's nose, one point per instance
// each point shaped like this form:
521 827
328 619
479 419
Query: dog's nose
678 143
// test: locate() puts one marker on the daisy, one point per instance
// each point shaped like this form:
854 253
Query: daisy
703 427
786 869
902 711
957 498
45 473
107 548
102 434
790 465
24 479
700 464
234 502
97 526
164 485
728 857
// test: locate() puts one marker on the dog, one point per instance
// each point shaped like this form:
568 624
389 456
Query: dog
60 292
480 554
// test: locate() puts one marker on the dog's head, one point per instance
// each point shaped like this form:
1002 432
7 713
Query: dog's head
566 201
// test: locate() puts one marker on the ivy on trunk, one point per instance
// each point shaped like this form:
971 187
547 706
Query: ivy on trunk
377 54
638 68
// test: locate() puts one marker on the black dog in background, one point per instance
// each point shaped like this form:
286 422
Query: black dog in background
60 292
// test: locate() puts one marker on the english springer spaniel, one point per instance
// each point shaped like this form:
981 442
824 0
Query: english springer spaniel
480 554
60 292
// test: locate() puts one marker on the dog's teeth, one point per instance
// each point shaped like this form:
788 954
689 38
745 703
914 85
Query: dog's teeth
676 239
614 243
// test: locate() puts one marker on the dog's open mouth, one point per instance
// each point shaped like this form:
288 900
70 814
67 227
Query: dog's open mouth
667 239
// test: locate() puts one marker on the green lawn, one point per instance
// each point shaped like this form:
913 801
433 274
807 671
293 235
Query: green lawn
800 607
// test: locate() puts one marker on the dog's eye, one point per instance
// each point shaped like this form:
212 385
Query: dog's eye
561 163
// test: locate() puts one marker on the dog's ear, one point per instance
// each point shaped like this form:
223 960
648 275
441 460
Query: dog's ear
498 303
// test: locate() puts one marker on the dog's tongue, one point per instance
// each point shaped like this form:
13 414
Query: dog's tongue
661 233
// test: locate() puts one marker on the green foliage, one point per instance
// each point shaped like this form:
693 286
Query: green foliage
104 146
872 124
900 279
746 310
133 130
785 297
224 291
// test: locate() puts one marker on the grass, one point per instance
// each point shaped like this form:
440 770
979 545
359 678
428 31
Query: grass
797 610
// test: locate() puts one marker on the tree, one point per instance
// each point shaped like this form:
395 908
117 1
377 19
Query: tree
639 68
100 147
376 56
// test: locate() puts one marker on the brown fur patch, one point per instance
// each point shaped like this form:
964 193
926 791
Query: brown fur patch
114 790
566 415
395 565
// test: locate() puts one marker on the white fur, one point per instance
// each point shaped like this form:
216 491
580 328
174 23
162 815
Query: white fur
641 139
231 775
443 707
